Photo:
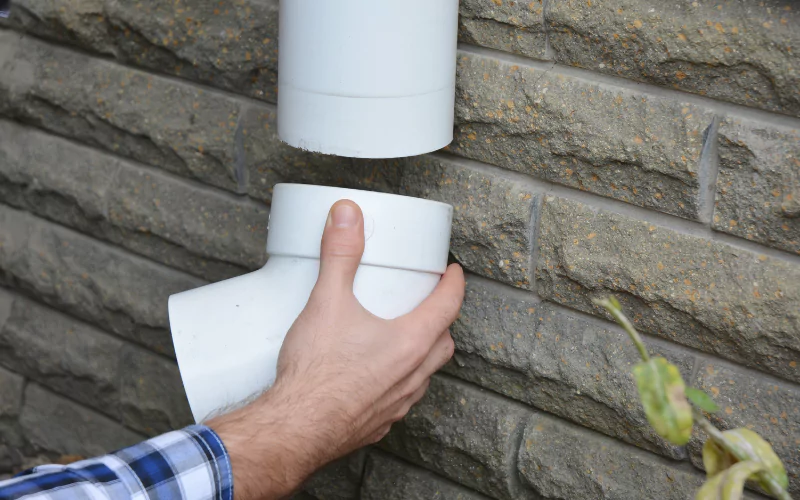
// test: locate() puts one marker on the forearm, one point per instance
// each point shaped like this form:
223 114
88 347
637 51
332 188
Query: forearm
270 444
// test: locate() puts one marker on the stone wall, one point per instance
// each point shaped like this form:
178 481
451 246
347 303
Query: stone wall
635 147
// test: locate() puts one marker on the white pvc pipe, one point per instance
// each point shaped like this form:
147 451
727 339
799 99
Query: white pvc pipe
367 78
228 335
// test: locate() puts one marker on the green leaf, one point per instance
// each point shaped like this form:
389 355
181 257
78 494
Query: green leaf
662 391
701 400
716 459
614 302
729 484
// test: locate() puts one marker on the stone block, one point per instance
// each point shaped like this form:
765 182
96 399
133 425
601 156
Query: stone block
493 218
758 185
63 354
116 290
562 461
465 434
11 391
704 294
768 406
340 480
127 383
516 27
191 131
738 51
388 478
640 148
152 399
228 44
557 361
56 425
11 386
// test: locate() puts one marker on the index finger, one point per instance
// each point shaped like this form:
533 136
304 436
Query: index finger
440 309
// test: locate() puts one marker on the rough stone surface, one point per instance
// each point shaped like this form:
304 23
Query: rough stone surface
635 147
465 434
735 50
65 355
11 386
340 480
509 26
182 224
561 461
388 478
205 135
758 186
768 406
11 389
492 219
557 361
700 293
54 424
231 44
88 279
125 382
151 393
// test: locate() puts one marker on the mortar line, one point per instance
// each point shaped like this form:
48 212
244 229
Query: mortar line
596 201
504 288
709 168
719 106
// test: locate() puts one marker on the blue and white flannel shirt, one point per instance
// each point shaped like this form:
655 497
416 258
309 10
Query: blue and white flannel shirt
189 464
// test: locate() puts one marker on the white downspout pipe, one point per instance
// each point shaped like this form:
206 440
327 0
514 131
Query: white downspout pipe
367 78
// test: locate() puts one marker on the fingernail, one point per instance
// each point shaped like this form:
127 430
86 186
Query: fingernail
344 215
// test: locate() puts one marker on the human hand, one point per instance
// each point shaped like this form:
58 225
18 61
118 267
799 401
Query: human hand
344 375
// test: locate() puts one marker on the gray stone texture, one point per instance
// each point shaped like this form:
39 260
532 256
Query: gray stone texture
231 44
201 134
700 293
11 440
63 354
125 382
340 480
465 434
735 50
492 218
635 147
181 224
388 478
118 291
511 26
556 360
55 425
561 461
768 406
758 185
152 399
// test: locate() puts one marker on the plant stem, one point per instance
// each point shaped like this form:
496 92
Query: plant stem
741 455
632 333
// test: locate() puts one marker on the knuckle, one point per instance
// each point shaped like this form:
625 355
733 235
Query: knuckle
413 350
449 346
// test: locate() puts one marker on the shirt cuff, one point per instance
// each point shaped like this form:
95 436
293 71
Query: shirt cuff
185 464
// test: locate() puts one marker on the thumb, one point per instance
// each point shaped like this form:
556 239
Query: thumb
342 246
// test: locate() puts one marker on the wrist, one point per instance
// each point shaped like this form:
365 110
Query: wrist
269 446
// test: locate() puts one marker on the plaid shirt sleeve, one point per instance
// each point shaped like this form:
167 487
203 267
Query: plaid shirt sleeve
189 464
